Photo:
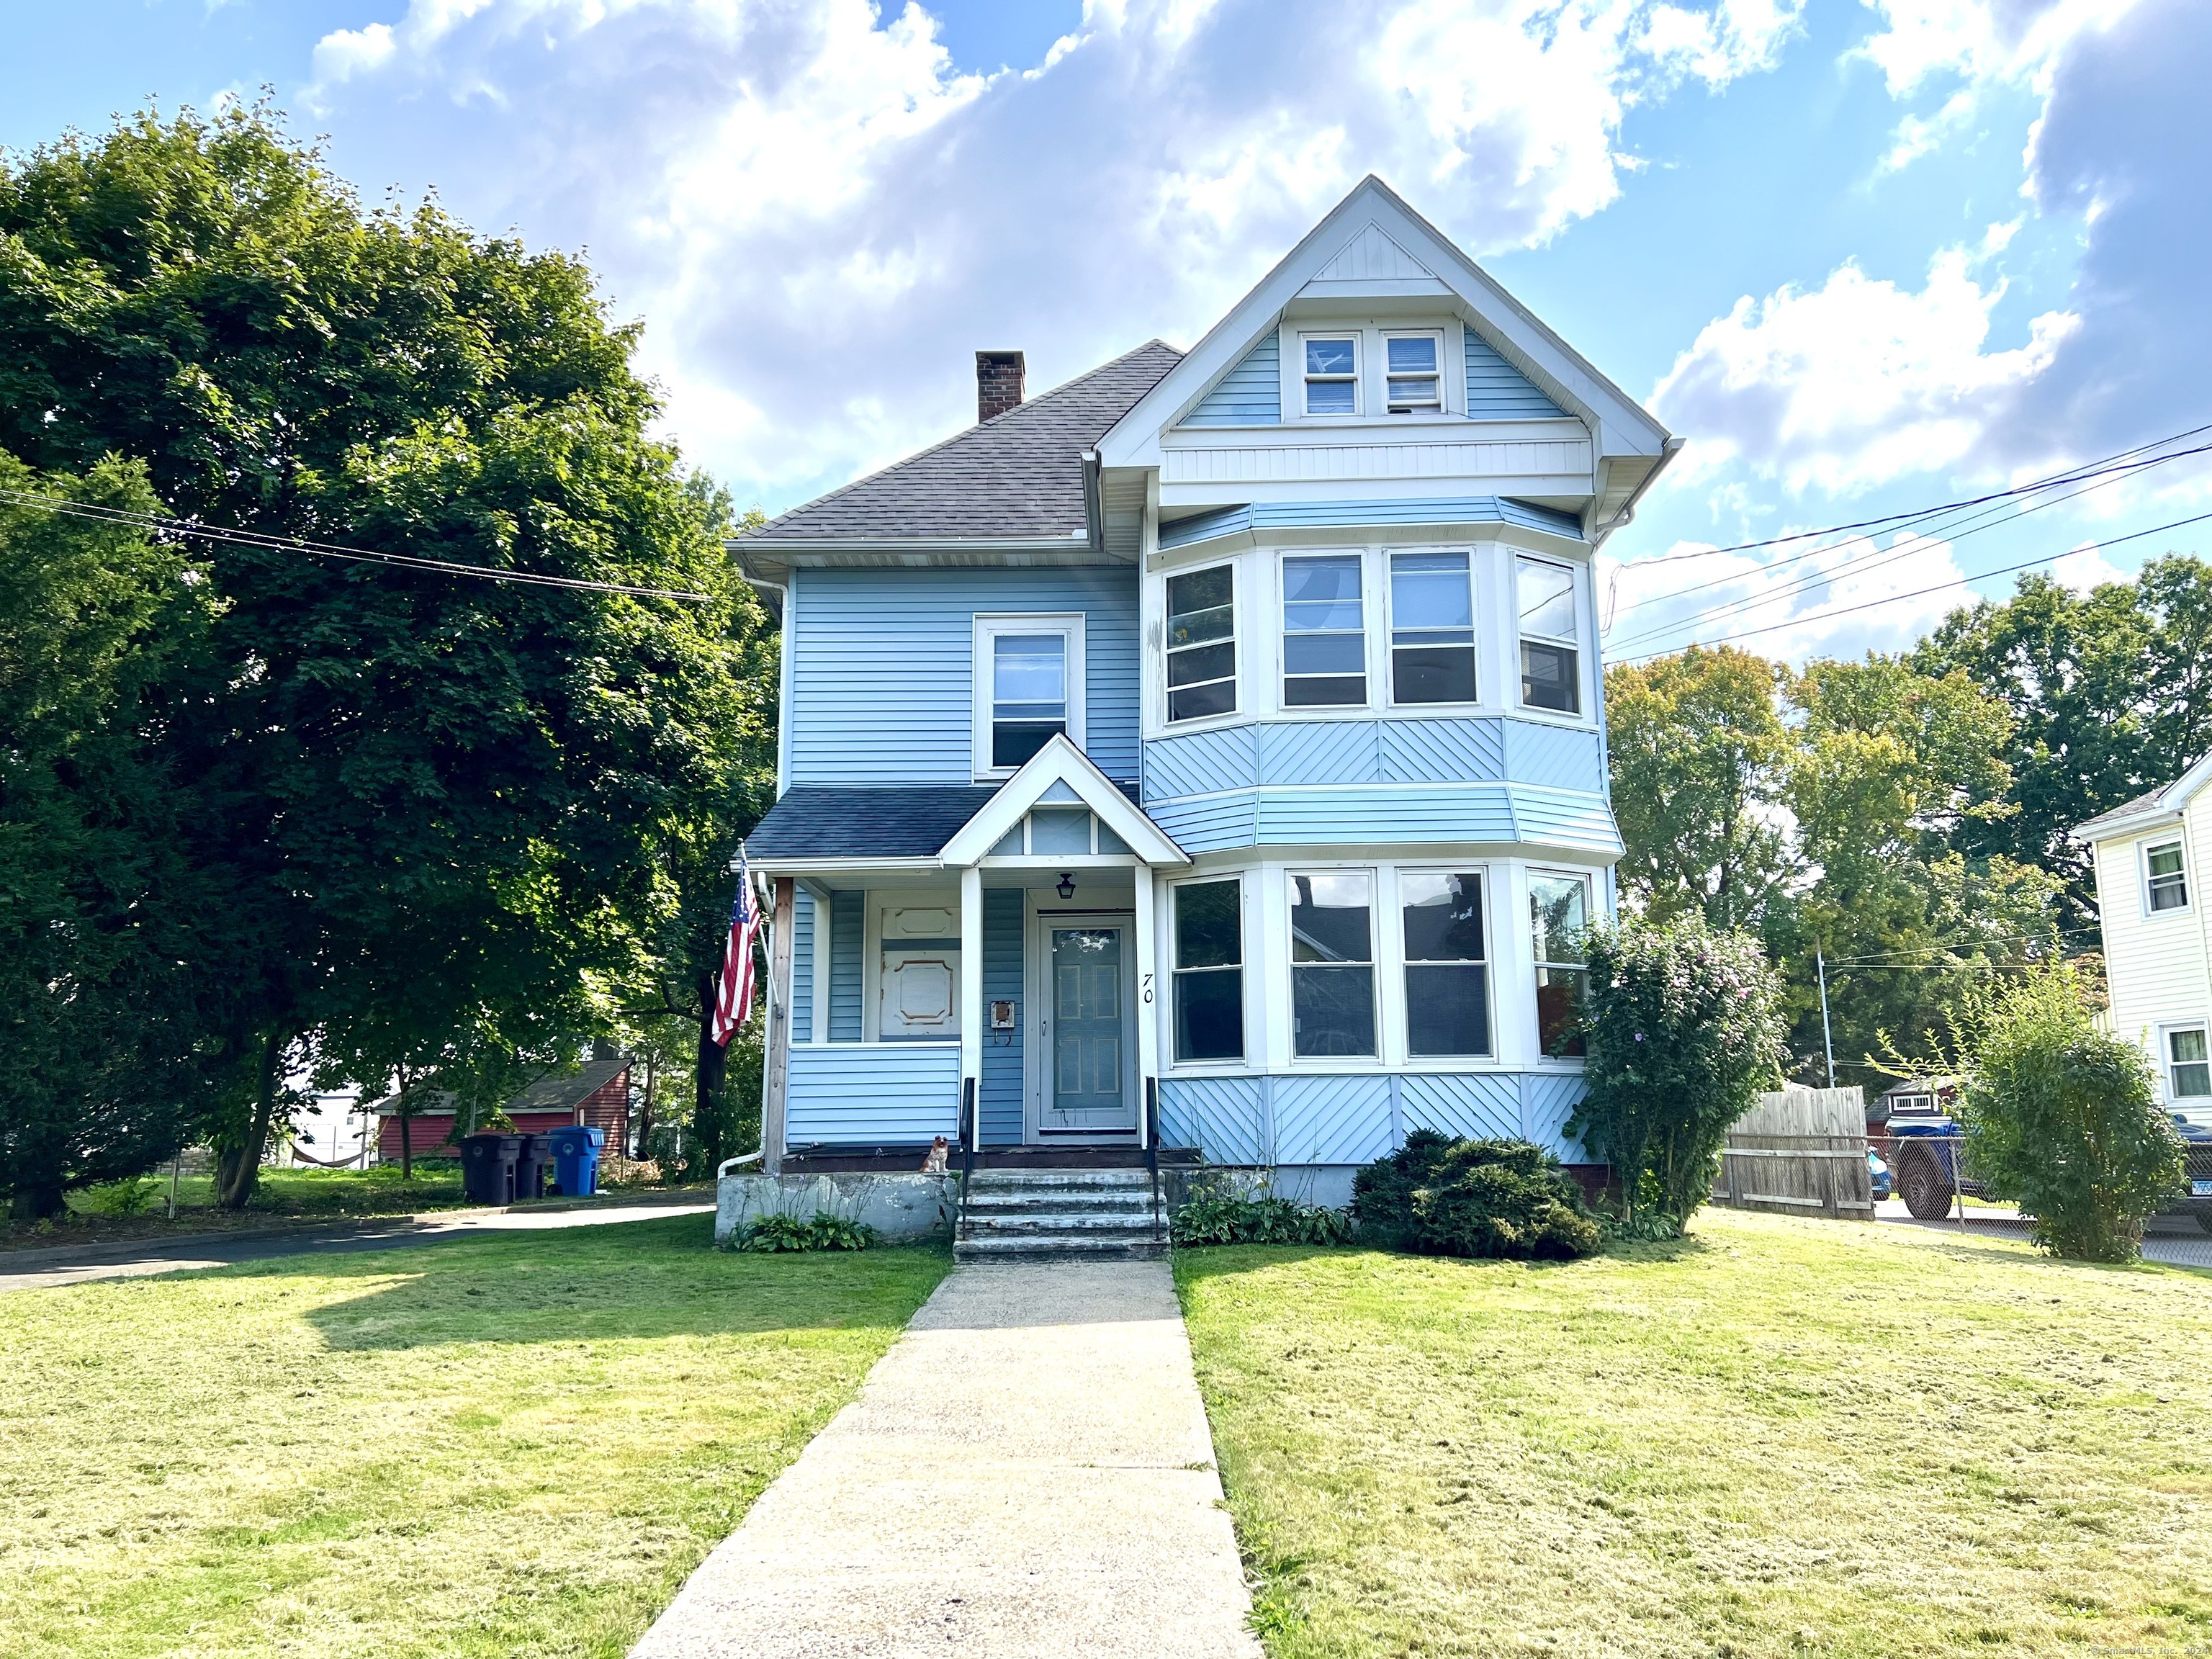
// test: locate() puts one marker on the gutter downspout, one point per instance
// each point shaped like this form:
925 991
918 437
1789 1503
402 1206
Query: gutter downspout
1094 499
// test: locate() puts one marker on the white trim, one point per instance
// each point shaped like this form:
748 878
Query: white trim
1585 696
2149 844
1444 376
2166 1032
1238 655
1060 761
988 625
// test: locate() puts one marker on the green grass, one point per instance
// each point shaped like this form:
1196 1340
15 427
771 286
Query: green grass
512 1445
139 1209
1777 1438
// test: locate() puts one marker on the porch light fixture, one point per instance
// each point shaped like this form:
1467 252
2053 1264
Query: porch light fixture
1066 888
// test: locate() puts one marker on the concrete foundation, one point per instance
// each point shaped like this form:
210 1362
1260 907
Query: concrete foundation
901 1207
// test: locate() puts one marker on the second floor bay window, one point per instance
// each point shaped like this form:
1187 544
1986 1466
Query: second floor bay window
1202 643
1431 629
1551 638
1331 964
1324 633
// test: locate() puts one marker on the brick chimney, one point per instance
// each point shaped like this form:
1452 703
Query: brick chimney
999 377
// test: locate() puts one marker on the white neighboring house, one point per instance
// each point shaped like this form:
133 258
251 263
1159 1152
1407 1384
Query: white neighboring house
2152 857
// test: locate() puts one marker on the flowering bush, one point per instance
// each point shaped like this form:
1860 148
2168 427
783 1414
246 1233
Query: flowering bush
1682 1028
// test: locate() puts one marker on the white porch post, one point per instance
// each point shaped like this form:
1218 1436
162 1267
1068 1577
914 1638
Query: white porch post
1150 987
972 996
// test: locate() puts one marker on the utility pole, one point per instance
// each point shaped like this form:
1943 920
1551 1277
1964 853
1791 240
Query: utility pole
1827 1037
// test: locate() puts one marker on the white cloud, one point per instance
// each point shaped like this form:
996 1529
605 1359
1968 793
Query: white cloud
1853 384
2086 567
820 215
2018 41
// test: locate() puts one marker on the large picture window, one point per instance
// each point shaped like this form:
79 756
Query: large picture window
1209 971
1202 643
1558 915
1029 675
1331 964
1447 966
2165 883
1431 629
1324 633
2188 1064
1551 641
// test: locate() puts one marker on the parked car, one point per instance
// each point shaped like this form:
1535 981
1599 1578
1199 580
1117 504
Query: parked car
1877 1175
2196 1127
1928 1162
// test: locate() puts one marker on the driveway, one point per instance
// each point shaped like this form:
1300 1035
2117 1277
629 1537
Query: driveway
2174 1241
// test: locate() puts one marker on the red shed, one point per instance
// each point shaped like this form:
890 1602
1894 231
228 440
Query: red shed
598 1094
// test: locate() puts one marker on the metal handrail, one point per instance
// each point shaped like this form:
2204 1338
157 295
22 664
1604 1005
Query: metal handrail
967 1137
1151 1137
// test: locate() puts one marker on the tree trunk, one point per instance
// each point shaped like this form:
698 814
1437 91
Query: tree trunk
706 1109
36 1201
406 1131
643 1130
241 1171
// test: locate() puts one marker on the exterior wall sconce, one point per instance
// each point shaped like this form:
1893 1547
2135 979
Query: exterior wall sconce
1066 888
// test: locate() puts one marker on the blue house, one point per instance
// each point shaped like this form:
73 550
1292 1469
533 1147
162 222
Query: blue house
1208 755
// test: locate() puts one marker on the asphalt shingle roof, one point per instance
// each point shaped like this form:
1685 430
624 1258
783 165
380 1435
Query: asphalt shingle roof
1019 474
2128 809
910 822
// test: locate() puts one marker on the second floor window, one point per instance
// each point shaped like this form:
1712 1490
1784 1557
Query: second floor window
1029 695
1551 641
1202 643
1324 632
1431 629
2165 883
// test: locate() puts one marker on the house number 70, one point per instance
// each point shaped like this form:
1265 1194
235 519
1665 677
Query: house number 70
1147 994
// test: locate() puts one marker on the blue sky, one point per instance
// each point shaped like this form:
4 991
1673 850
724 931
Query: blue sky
1864 255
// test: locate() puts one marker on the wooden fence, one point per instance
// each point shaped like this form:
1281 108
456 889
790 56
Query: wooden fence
1799 1151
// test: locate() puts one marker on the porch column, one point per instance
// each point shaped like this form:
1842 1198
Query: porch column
776 1062
1150 990
971 995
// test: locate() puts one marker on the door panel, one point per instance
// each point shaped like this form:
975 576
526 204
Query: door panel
920 994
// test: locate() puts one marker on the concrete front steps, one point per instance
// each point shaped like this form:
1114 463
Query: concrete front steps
1032 1215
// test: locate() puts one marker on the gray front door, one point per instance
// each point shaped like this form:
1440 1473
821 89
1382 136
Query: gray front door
1088 1085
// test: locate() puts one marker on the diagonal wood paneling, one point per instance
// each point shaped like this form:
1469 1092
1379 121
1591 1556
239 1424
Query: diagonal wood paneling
1218 1115
1343 1119
1481 1106
1442 750
1320 751
1548 1099
1201 763
1557 758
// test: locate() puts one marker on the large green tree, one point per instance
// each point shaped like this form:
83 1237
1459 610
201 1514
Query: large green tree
436 805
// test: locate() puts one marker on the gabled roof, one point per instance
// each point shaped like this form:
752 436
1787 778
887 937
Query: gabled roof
1371 245
1018 478
1059 763
2145 808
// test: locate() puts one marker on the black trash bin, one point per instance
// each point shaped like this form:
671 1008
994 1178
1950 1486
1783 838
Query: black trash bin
488 1162
533 1165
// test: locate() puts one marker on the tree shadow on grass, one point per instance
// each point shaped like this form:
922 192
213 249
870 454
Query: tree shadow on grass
646 1280
1228 1261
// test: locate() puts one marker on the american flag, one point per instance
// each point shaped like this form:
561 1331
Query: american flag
733 1000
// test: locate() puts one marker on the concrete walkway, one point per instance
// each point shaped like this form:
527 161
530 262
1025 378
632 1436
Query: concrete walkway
32 1270
1027 1472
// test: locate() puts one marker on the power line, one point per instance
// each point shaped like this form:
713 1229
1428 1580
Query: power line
1881 958
266 542
1917 593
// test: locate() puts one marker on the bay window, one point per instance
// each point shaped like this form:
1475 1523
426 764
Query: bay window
1431 629
1551 638
1559 915
1209 970
1447 969
1331 964
1201 643
1324 632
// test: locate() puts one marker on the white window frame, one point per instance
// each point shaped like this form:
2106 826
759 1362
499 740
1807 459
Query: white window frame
1442 404
1402 964
1581 715
1324 710
988 625
1357 336
1591 898
2144 849
1250 984
2167 1061
1236 641
1389 698
1377 965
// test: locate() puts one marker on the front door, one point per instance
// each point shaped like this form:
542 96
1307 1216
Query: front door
1088 1087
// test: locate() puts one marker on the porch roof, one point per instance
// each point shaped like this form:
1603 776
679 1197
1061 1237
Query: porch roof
912 821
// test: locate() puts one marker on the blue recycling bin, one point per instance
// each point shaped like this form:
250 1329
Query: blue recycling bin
576 1160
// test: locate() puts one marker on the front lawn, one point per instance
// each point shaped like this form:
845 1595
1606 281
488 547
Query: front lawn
1776 1438
503 1445
139 1209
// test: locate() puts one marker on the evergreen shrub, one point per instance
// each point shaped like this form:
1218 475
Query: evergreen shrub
1475 1198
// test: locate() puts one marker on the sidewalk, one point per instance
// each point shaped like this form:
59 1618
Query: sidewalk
2171 1241
31 1270
1027 1473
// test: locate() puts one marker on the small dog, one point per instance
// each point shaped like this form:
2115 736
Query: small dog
934 1164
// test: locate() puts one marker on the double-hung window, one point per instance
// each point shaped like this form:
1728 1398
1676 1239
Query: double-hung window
1202 643
1551 639
1331 964
2165 883
2188 1064
1029 687
1412 377
1559 915
1431 629
1447 965
1331 373
1209 970
1324 632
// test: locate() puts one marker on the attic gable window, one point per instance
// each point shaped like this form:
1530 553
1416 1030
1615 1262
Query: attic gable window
1029 672
1412 377
1331 373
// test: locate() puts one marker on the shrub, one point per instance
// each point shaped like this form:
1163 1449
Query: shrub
1219 1214
771 1233
1475 1198
1682 1027
2063 1119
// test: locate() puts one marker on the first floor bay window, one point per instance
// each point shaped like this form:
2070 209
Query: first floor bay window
1558 915
1447 974
1331 964
1209 970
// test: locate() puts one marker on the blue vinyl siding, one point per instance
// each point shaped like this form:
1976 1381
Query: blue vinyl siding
883 676
1396 751
1002 1050
1250 394
1386 817
1383 514
1222 1116
845 936
1356 1117
874 1094
802 966
1496 390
